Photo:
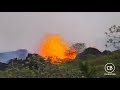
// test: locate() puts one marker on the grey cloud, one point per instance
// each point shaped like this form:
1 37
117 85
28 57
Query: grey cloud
25 29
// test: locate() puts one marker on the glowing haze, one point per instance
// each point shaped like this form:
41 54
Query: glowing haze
55 49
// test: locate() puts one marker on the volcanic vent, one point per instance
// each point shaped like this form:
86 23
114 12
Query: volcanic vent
56 50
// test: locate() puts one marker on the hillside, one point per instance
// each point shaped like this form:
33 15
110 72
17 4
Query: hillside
34 66
19 54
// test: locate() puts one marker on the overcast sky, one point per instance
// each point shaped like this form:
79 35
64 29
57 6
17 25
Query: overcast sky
24 30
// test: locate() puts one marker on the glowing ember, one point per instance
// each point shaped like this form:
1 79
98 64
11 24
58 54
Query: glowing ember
56 50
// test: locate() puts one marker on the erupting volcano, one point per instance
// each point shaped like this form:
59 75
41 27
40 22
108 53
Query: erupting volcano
56 50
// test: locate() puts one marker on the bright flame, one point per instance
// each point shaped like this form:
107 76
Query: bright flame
56 50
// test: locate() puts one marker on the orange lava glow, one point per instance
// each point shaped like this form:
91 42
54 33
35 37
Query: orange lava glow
56 50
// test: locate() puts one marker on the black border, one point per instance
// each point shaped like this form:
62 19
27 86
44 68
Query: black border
68 6
60 9
60 83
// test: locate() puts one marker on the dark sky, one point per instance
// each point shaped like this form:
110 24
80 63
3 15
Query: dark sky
24 30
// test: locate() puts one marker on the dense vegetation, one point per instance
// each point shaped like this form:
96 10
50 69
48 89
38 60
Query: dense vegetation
92 66
88 64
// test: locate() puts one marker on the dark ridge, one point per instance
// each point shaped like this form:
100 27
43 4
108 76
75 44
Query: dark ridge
106 52
87 52
91 50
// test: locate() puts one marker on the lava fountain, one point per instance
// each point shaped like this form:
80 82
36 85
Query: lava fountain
56 50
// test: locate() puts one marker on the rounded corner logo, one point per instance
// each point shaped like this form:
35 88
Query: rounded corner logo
109 69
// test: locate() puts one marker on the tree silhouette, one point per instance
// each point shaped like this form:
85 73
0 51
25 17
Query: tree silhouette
79 47
113 37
